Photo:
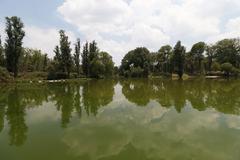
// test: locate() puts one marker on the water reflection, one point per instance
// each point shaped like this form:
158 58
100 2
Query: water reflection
86 98
221 95
97 94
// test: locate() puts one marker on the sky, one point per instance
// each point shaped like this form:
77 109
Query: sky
122 25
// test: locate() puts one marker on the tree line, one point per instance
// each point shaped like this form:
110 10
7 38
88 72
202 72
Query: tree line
221 58
86 60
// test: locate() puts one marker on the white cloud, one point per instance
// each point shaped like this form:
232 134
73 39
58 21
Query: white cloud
231 30
44 38
41 38
121 25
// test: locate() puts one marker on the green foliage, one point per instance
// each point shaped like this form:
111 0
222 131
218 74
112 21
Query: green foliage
13 45
33 60
63 60
77 56
94 60
2 59
107 61
138 58
57 59
4 75
85 59
210 52
102 65
227 68
228 51
94 63
163 59
136 72
196 54
65 50
179 58
52 75
216 66
97 68
136 63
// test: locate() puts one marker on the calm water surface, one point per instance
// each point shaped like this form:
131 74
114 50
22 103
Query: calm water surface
121 120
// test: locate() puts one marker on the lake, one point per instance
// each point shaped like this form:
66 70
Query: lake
135 119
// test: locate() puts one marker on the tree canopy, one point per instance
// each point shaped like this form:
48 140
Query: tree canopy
13 44
136 63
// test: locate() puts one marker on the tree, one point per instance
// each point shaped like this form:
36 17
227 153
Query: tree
215 66
189 63
92 50
85 59
77 56
107 61
179 57
57 63
211 51
32 60
227 68
45 62
93 57
163 58
97 68
137 58
228 51
13 45
57 56
197 52
65 50
1 54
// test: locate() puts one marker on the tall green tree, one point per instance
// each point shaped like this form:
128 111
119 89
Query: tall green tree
189 63
1 54
57 63
93 58
211 52
197 52
228 51
65 50
57 56
136 63
45 62
77 56
107 61
102 65
13 45
92 50
179 58
163 58
85 59
32 60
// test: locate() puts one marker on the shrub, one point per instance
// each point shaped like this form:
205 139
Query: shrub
4 75
136 72
57 75
216 66
227 68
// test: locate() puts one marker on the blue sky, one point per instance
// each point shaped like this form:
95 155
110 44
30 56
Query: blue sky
121 25
38 12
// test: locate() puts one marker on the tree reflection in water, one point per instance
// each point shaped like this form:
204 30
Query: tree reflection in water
222 95
89 96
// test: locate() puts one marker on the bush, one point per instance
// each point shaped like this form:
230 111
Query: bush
136 72
227 68
235 71
33 75
4 75
57 75
216 66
